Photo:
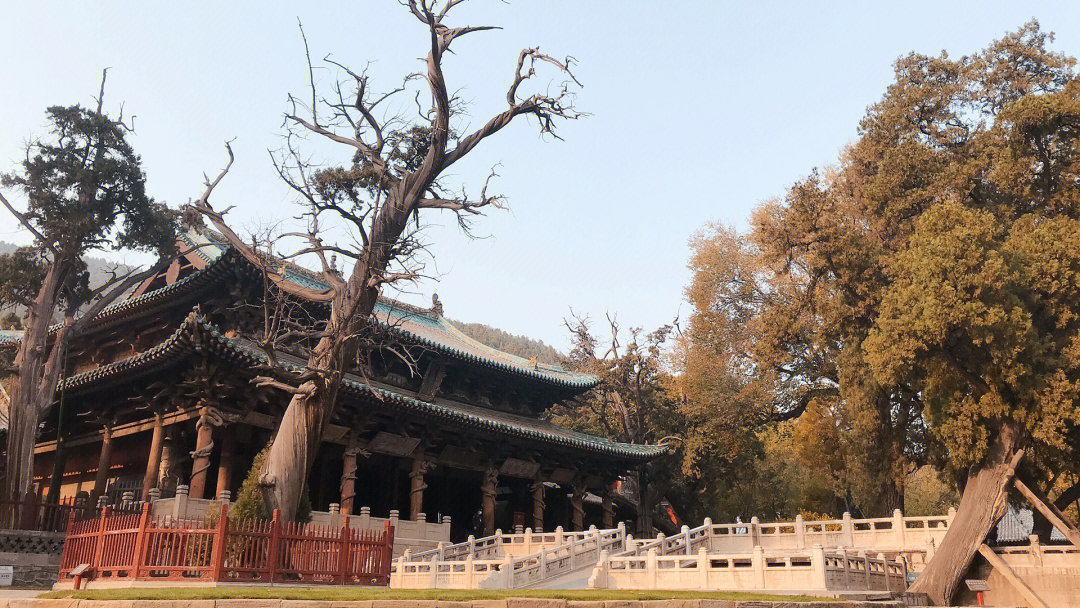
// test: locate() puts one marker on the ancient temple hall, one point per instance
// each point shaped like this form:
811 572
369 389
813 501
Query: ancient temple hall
157 395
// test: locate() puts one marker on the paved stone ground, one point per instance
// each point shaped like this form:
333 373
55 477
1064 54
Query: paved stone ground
29 602
7 593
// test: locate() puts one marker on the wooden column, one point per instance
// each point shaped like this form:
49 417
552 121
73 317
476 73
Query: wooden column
104 462
577 506
57 479
487 499
153 459
226 464
538 505
200 465
608 507
348 479
416 487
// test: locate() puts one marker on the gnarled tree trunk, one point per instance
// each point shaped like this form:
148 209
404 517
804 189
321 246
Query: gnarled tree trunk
981 506
292 452
38 370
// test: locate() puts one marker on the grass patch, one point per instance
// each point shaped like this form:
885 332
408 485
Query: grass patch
370 593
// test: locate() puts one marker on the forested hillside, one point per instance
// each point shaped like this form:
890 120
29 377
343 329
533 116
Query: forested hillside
98 270
521 346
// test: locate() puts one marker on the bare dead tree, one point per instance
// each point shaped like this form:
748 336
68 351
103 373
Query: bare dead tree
398 163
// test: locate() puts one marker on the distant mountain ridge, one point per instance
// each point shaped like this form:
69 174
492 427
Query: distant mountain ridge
522 346
98 270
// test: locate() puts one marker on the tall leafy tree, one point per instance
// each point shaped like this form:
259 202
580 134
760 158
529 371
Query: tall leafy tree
921 292
84 190
919 296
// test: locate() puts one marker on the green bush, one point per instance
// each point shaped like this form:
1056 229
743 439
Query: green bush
249 503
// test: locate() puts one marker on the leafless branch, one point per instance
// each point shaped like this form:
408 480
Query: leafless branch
25 221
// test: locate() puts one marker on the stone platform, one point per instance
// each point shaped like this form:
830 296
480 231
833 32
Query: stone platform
34 556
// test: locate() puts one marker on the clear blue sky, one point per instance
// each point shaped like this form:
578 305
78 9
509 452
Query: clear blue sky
699 112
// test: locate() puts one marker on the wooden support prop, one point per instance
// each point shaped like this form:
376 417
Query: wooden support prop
1050 512
1014 580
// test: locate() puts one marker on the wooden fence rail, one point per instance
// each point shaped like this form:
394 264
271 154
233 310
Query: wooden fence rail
124 547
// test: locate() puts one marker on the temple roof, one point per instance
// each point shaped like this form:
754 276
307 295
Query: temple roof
423 326
197 333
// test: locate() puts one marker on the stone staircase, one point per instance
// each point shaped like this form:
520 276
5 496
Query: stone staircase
509 561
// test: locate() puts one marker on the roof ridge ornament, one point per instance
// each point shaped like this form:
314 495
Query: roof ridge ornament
436 305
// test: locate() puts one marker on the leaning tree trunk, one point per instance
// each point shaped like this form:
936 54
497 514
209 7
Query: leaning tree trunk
981 506
292 453
37 371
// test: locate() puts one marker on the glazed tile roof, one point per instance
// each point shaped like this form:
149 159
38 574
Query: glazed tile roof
10 336
420 325
197 332
408 322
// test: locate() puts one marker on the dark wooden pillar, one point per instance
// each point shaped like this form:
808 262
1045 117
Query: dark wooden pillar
487 499
416 487
226 464
101 480
153 459
57 479
577 506
348 478
200 465
608 507
538 505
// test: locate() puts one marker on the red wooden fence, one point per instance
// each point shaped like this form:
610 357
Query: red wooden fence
124 547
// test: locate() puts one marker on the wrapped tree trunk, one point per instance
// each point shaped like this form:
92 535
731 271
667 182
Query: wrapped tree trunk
981 506
292 453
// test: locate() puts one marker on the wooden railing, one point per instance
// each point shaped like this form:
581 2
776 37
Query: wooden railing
812 570
125 547
495 562
33 513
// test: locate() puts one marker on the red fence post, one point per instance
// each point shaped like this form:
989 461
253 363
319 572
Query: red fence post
273 549
140 540
387 552
217 552
99 540
65 555
345 554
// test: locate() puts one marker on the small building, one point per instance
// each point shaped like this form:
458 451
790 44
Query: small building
158 393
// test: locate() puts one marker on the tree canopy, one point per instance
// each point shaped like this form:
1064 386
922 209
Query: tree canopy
82 189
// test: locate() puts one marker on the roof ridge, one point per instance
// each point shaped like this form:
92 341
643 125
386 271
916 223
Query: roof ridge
479 353
219 240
